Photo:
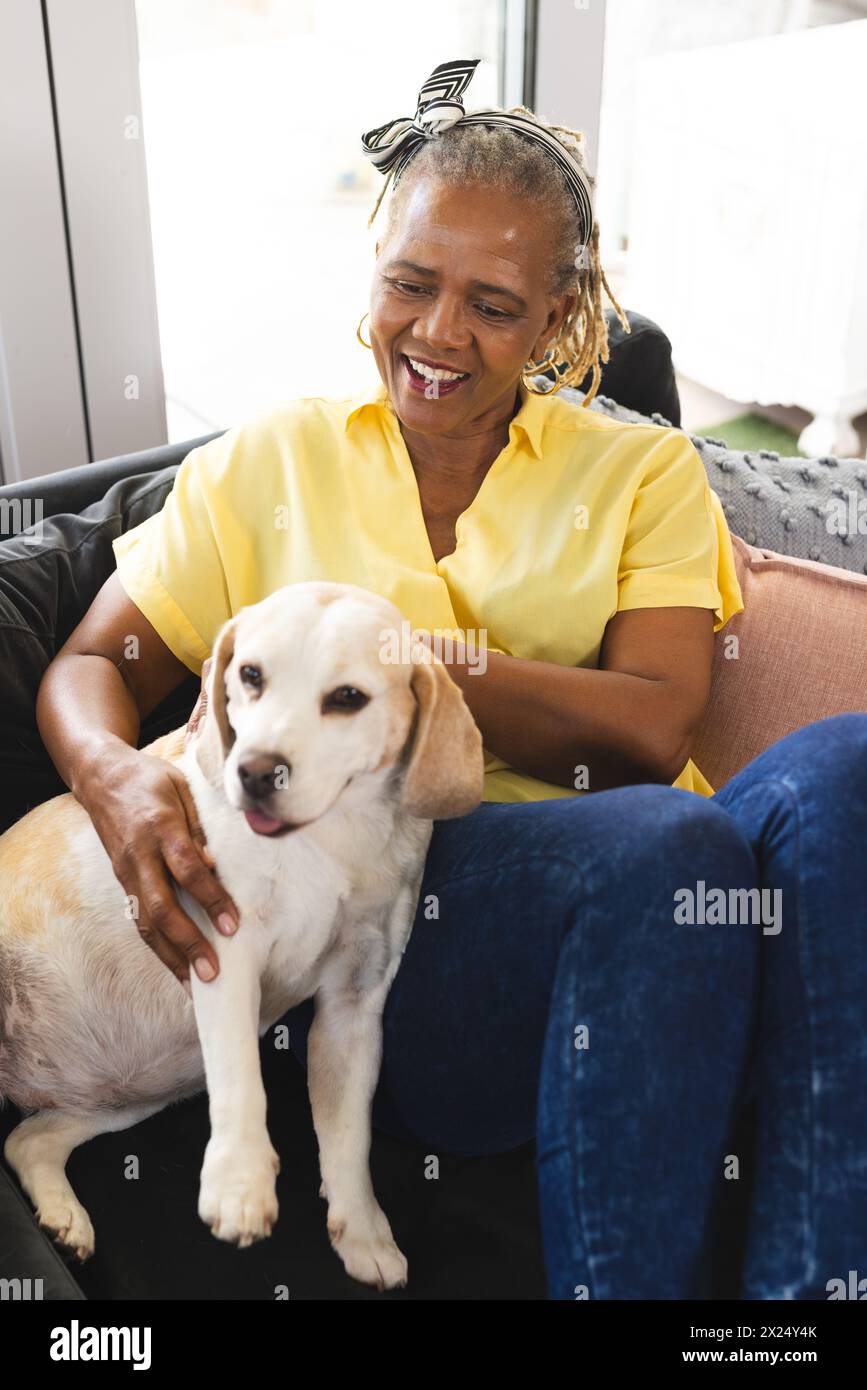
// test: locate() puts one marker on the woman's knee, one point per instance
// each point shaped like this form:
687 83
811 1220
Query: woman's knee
834 753
634 879
634 837
808 790
829 752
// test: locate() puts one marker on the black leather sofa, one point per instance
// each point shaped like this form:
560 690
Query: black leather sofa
472 1233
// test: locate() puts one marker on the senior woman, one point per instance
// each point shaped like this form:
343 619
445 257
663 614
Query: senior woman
564 978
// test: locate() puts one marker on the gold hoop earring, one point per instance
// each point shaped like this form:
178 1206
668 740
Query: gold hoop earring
533 369
358 332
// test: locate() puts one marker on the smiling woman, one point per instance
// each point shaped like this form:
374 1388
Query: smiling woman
489 264
445 263
453 489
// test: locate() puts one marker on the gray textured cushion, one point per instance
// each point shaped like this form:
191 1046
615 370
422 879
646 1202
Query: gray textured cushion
780 504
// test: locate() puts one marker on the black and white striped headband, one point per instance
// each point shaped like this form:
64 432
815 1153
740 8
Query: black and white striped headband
391 146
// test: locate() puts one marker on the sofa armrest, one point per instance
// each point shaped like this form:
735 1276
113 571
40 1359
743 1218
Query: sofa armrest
76 488
796 654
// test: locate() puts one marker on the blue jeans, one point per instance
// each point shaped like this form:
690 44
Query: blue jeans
567 979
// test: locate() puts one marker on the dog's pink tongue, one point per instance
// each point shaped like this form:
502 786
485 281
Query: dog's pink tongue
262 824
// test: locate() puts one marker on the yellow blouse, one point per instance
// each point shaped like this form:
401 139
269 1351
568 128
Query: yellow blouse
578 517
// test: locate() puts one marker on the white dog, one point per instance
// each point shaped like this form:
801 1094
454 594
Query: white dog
317 772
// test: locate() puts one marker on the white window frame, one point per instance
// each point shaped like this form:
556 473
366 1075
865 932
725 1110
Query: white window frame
43 424
95 64
80 369
568 59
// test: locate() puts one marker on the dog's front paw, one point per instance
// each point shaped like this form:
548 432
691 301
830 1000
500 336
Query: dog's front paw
237 1195
365 1244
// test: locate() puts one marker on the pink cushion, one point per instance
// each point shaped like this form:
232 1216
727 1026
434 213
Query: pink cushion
801 656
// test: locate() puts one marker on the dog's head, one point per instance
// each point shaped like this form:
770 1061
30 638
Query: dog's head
305 697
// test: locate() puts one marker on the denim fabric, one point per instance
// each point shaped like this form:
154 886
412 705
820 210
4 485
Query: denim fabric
556 916
802 806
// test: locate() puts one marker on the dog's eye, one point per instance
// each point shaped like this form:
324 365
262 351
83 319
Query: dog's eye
346 698
252 676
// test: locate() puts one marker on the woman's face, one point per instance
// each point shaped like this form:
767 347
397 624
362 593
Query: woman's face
460 285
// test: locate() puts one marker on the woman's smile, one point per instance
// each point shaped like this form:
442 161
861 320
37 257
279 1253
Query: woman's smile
431 380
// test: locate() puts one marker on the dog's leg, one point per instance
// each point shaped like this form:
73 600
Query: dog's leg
344 1049
38 1150
237 1196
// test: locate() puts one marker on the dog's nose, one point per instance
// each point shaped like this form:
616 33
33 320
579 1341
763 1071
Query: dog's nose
261 774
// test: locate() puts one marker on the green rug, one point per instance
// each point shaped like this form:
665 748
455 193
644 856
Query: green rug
754 432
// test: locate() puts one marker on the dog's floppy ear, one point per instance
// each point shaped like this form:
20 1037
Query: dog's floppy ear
217 735
445 773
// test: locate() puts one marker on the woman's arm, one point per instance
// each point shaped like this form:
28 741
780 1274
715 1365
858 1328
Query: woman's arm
112 670
633 720
100 685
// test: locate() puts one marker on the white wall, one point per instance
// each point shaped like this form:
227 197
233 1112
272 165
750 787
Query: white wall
637 29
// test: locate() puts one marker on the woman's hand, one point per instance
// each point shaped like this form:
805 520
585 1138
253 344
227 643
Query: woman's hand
145 816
